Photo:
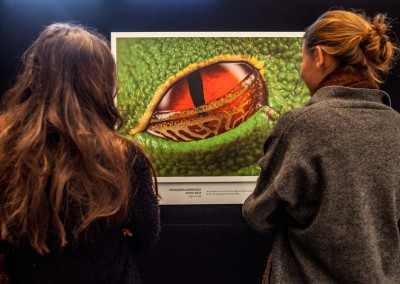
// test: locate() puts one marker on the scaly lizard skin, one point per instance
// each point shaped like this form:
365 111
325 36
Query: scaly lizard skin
147 67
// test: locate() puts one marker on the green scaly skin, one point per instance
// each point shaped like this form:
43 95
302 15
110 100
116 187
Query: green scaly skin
144 64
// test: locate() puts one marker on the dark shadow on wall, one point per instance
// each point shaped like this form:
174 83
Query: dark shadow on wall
209 244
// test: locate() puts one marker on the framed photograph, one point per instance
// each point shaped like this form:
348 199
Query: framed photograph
201 104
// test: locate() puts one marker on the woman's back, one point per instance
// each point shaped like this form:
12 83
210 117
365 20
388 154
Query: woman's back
329 188
69 182
342 221
102 255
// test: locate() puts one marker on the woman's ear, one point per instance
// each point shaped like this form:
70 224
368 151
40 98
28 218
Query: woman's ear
324 62
319 57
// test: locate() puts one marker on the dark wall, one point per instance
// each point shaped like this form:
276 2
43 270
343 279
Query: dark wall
22 20
201 243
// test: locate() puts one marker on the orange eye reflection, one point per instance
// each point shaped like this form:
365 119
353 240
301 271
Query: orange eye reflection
209 101
203 86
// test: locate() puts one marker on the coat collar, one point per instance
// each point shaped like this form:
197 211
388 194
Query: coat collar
347 84
350 94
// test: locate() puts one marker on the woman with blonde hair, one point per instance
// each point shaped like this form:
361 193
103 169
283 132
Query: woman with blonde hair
76 198
329 189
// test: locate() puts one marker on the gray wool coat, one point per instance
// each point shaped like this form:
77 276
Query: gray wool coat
329 190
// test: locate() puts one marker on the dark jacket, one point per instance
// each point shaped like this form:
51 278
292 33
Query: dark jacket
103 255
329 190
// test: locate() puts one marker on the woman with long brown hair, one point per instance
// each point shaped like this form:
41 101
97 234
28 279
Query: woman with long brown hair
329 189
76 198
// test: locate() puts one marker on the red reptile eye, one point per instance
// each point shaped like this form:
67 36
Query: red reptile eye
209 101
203 86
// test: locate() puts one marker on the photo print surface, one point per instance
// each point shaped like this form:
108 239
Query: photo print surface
202 104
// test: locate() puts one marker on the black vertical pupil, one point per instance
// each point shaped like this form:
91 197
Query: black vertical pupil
196 91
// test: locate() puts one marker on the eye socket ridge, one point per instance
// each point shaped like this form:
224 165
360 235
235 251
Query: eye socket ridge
161 91
229 110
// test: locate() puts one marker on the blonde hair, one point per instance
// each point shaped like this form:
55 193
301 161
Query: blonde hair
355 40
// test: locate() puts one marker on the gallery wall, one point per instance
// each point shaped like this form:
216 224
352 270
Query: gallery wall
199 243
22 20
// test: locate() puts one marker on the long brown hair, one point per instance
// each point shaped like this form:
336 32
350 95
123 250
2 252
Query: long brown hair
355 40
62 160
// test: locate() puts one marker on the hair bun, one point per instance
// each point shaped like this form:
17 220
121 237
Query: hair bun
375 43
379 24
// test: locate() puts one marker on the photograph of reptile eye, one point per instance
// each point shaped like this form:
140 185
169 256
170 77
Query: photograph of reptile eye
203 105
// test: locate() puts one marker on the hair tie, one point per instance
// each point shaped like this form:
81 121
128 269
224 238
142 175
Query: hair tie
363 43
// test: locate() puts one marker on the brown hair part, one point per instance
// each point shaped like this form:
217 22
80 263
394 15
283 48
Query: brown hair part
63 164
355 40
